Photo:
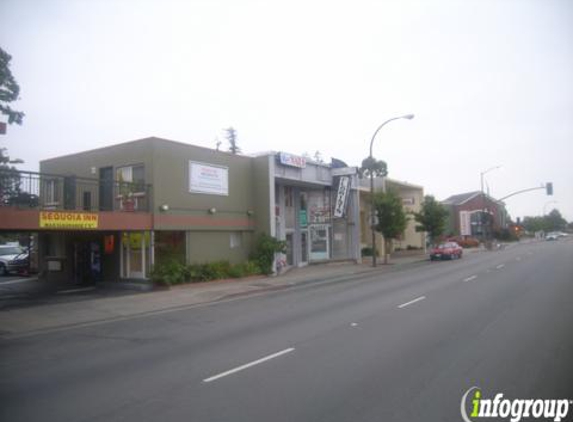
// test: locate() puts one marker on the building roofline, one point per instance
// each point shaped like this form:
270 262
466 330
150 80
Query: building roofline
471 195
407 184
141 140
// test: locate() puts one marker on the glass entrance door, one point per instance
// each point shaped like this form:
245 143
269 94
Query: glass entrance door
134 255
319 242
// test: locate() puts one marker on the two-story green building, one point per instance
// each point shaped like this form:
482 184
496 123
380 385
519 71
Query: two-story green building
112 213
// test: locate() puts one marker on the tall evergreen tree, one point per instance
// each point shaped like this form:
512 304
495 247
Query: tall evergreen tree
231 135
9 90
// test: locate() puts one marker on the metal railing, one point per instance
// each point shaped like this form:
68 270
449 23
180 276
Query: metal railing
26 189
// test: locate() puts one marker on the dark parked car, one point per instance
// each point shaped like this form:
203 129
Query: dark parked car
447 250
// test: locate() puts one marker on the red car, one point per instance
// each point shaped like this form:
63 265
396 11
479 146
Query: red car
448 250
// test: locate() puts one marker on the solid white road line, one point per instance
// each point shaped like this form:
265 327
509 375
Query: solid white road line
500 266
403 305
83 289
18 280
248 365
473 277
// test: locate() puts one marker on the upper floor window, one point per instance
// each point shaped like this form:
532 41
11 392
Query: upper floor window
132 174
49 192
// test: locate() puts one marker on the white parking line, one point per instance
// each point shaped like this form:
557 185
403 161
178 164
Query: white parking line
473 277
403 305
500 266
248 365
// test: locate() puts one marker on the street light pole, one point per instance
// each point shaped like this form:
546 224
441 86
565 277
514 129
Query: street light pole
372 207
483 199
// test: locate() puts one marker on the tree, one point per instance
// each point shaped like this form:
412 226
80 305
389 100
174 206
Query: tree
555 221
431 218
548 223
9 90
318 157
392 219
10 186
535 224
370 165
231 135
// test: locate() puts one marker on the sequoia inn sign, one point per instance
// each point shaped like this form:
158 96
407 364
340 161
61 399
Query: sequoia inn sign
68 220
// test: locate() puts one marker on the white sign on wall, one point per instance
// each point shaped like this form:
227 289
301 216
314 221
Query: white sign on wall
465 223
209 179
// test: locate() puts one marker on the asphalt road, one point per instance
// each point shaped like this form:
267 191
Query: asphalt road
404 347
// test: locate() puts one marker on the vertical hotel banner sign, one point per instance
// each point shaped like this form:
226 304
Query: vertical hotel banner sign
68 220
208 178
341 197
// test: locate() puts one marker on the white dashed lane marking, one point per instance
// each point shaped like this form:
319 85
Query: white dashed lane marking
403 305
248 365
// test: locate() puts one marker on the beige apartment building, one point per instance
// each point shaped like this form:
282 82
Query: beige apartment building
412 198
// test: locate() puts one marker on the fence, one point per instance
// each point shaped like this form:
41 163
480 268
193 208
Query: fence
26 189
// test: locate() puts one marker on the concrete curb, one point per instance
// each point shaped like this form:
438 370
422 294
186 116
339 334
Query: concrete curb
54 317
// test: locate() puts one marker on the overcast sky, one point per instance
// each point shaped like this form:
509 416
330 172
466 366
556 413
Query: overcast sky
490 83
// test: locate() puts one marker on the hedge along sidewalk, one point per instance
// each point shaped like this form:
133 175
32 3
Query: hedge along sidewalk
19 322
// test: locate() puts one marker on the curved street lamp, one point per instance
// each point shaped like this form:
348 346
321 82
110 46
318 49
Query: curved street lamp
372 208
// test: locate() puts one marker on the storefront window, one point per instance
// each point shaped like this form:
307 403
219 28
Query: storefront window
319 206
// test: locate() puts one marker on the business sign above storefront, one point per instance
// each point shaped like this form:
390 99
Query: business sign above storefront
344 171
68 220
209 179
292 160
341 197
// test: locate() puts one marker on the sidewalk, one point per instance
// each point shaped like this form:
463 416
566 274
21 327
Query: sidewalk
52 317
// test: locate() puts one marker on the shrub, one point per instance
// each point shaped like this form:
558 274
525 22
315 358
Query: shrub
468 242
236 271
173 272
206 272
505 235
367 251
265 250
251 268
169 273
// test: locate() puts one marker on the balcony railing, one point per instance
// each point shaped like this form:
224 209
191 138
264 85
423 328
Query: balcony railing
26 189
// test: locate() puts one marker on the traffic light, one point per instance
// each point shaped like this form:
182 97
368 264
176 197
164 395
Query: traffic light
549 188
